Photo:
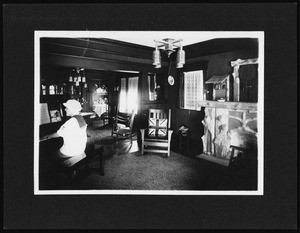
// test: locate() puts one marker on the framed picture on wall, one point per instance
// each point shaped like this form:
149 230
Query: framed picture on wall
55 115
157 87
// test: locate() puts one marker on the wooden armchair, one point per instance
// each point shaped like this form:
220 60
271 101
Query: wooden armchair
243 164
157 137
122 125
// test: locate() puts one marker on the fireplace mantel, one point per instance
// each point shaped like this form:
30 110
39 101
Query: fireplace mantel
228 105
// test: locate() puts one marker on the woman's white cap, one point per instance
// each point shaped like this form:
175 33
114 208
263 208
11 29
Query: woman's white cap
74 105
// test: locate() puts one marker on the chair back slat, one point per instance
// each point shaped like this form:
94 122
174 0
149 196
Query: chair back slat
157 113
131 119
123 118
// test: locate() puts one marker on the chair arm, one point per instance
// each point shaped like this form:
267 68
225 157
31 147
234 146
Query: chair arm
170 132
142 134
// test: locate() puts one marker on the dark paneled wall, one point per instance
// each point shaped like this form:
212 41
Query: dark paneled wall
217 64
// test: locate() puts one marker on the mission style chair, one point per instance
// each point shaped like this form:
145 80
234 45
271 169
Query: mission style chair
157 137
122 125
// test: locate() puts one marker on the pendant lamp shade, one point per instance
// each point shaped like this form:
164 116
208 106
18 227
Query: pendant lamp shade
156 57
168 46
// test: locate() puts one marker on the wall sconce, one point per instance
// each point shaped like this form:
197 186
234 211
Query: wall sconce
168 46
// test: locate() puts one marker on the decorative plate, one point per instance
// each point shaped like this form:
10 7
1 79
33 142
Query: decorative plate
171 80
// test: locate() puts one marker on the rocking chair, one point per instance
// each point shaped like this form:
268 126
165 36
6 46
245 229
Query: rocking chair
122 125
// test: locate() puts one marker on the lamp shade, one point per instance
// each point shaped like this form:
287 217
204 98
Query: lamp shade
157 66
179 65
180 56
156 57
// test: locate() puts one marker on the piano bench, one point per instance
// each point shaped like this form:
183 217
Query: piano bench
73 164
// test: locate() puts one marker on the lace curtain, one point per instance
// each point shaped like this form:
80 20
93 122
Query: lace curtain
129 96
193 89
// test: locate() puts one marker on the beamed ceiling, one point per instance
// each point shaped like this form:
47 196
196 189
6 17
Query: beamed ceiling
106 56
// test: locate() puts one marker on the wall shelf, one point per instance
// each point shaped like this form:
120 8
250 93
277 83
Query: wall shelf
229 105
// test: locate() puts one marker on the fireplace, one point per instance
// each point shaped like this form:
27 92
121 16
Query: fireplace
227 124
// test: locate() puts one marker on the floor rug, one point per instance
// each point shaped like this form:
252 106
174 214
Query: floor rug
134 171
100 135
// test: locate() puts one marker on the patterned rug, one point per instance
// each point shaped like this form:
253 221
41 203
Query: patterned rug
100 135
134 171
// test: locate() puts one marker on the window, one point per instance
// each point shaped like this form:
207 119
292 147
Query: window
191 89
129 95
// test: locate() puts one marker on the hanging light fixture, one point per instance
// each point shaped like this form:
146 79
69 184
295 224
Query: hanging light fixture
78 78
168 45
83 79
78 75
70 77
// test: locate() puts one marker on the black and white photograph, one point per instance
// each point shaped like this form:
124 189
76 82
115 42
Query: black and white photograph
150 116
201 133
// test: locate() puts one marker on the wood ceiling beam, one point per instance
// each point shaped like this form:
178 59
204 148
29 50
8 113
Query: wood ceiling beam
96 64
102 46
97 54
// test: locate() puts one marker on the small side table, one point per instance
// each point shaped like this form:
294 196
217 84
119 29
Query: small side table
184 140
93 151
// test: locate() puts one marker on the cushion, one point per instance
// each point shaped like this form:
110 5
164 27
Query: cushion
157 123
157 127
154 134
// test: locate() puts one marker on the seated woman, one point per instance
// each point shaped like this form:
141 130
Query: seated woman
74 135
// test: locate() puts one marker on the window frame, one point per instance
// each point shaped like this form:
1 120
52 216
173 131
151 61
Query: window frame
191 68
